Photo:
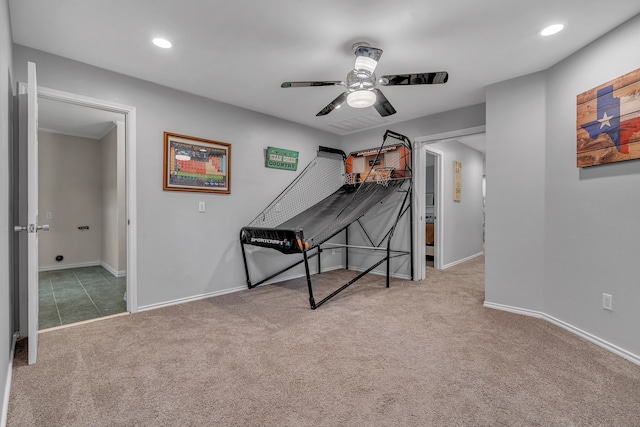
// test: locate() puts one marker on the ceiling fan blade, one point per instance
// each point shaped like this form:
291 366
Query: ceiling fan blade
382 105
309 84
414 79
333 104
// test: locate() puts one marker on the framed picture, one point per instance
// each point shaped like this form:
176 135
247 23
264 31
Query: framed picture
196 164
457 181
608 122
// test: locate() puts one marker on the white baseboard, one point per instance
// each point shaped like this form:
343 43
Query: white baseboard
112 270
279 279
7 387
564 325
227 291
68 266
460 261
382 273
191 299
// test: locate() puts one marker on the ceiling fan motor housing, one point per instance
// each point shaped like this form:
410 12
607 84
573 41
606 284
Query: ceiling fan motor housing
360 80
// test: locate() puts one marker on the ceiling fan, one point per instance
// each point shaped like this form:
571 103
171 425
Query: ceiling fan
361 83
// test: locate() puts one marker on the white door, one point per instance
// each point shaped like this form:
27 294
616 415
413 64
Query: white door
32 227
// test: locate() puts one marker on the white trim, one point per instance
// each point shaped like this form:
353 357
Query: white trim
68 266
191 299
84 322
420 178
420 149
132 212
452 134
460 261
112 270
7 386
81 135
228 291
84 264
568 327
279 279
383 273
419 186
130 128
108 129
438 201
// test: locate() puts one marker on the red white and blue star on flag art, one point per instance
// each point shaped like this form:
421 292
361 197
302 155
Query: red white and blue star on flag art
608 122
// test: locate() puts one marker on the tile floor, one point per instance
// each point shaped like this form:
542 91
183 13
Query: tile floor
77 294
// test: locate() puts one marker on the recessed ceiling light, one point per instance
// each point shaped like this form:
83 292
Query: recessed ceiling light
551 30
163 43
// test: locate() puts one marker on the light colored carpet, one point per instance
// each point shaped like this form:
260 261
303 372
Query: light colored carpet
417 354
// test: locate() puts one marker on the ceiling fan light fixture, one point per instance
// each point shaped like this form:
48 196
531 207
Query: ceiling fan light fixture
364 63
361 99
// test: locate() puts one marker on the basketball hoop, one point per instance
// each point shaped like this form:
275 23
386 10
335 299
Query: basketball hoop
383 176
350 178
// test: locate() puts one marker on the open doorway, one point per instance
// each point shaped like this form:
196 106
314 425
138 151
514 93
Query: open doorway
454 211
430 209
85 261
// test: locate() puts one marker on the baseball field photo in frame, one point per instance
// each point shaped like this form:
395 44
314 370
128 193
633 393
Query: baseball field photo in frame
196 164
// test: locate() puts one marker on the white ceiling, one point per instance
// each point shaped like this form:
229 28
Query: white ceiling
75 120
476 141
239 52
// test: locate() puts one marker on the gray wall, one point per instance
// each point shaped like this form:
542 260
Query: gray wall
558 236
70 187
462 118
592 218
463 219
6 117
515 201
183 253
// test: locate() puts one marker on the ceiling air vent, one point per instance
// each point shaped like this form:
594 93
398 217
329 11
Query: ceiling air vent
359 123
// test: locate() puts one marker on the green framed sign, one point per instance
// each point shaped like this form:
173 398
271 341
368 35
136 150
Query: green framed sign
279 158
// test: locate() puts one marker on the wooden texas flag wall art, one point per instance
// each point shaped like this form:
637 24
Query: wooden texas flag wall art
608 120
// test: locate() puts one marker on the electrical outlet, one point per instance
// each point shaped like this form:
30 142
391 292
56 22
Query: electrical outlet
607 302
202 206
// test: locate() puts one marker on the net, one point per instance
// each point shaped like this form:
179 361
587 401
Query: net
321 178
383 176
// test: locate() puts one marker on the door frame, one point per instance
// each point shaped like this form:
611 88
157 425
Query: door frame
421 146
130 167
